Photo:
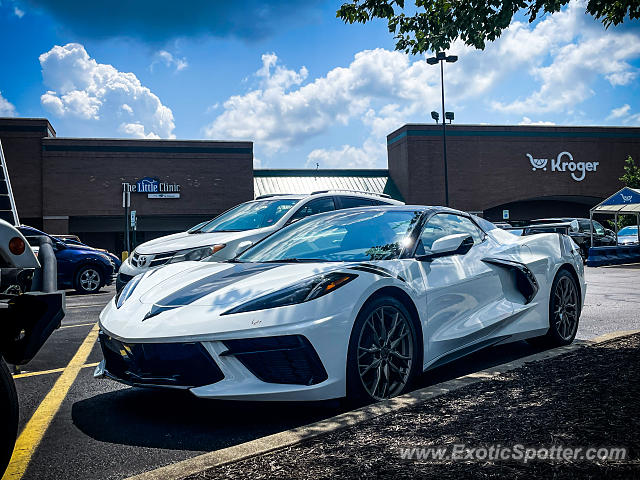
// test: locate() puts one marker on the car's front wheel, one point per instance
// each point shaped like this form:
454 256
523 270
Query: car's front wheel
383 351
88 280
9 413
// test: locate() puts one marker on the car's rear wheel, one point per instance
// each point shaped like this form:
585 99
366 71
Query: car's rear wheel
564 312
383 351
88 280
9 413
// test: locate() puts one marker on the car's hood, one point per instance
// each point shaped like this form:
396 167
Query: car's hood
184 240
221 285
189 298
627 238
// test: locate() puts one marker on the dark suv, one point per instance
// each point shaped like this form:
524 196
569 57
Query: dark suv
601 236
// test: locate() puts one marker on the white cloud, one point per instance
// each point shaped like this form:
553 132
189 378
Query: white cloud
620 112
6 108
624 115
528 121
581 54
169 60
18 12
282 112
117 102
564 54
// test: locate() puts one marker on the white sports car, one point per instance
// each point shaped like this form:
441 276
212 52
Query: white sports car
355 302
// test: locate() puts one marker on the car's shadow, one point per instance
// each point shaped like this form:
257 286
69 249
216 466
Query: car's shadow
179 421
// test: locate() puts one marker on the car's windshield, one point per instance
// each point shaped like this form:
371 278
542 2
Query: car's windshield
628 231
343 236
250 215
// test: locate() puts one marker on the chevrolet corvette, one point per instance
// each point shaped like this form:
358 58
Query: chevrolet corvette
352 303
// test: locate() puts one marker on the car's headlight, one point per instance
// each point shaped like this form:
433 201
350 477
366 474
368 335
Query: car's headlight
127 290
195 254
304 291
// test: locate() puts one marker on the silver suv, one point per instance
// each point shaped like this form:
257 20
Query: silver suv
237 229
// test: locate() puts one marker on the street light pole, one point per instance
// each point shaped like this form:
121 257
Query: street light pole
440 58
444 141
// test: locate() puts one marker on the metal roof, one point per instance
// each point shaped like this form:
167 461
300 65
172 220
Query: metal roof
308 181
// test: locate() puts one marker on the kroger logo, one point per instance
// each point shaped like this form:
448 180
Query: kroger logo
564 163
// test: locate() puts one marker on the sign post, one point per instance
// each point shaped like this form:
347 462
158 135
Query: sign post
126 203
134 227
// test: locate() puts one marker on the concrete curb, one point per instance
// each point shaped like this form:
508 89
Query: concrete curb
296 435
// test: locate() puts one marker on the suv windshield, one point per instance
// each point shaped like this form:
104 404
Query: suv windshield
248 216
343 236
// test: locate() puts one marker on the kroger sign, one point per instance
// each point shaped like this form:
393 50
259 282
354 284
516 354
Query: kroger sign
564 163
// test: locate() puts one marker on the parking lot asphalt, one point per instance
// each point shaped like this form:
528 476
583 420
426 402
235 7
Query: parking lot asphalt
104 430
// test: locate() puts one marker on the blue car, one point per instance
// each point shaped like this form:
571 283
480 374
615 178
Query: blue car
83 268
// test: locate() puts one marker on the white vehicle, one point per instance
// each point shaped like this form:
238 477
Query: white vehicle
355 302
240 227
628 235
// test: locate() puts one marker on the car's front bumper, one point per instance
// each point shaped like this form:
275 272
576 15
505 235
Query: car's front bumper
303 361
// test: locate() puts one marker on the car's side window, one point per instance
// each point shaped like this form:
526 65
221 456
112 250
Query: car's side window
585 226
312 207
352 202
444 224
598 228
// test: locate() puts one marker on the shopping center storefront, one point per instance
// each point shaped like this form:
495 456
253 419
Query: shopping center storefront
72 185
527 171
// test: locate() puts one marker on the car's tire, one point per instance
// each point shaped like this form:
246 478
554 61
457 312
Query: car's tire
564 312
88 279
9 413
382 362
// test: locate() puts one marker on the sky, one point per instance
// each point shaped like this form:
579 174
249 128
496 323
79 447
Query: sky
288 75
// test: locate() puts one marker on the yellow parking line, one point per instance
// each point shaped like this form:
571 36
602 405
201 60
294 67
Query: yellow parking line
77 325
38 424
46 372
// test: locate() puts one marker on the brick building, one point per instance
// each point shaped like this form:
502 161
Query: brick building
72 185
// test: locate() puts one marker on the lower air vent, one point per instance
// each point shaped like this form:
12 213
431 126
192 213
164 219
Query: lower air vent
288 359
184 365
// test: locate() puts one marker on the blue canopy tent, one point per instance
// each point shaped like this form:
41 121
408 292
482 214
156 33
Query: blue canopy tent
624 202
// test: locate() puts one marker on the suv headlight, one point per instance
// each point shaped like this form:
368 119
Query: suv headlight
195 254
307 290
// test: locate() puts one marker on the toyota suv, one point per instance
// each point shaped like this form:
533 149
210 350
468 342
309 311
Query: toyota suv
237 229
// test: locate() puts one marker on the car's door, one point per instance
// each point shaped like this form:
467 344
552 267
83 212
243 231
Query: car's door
63 264
464 294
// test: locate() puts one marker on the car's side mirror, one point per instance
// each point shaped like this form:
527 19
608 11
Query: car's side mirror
574 226
242 246
457 244
609 233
